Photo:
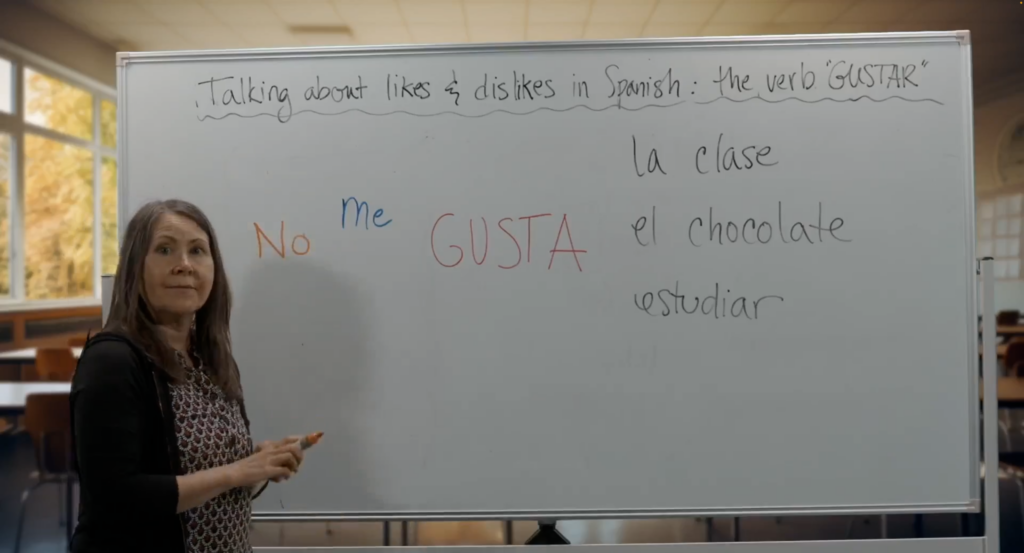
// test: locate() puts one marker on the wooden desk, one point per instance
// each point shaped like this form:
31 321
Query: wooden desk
1010 391
28 355
1000 350
14 394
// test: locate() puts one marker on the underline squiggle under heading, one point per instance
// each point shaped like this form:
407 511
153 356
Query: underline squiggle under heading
465 115
617 106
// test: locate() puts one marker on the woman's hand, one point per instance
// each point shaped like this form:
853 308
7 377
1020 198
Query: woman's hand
279 443
272 444
274 461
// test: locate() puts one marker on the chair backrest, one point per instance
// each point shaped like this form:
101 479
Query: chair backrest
77 341
1013 361
48 423
55 364
1008 318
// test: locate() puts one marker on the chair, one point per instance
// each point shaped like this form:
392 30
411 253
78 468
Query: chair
77 342
1008 318
1013 361
55 364
48 423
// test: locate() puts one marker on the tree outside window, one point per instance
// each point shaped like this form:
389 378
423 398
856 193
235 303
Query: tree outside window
58 179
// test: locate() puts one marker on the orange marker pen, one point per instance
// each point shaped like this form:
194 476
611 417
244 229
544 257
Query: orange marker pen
310 440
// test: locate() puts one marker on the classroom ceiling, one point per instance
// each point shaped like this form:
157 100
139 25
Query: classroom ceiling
997 26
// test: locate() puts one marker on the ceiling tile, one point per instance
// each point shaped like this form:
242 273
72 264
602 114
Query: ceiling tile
382 34
325 39
114 12
443 12
554 31
813 11
791 28
161 46
376 12
267 36
438 33
876 11
317 12
210 36
608 31
105 33
620 11
914 27
855 28
244 14
497 33
507 13
731 30
684 11
559 11
997 12
945 11
179 12
143 35
735 12
668 30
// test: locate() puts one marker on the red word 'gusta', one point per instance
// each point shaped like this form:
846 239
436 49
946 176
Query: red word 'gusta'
509 227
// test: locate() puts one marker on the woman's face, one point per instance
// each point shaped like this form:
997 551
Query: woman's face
179 267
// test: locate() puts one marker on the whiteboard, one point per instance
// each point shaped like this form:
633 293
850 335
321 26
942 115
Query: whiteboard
772 314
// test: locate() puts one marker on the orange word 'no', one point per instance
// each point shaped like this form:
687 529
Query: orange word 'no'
281 251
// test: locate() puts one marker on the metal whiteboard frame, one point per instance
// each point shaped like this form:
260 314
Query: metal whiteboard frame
973 505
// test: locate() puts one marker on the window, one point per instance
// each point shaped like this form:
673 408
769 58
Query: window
58 219
6 85
58 181
1000 224
5 220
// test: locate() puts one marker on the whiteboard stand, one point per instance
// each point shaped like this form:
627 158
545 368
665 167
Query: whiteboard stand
106 295
990 406
547 534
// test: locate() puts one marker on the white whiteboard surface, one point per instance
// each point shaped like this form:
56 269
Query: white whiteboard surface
476 391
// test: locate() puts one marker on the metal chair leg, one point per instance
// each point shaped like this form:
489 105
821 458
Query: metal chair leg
60 505
21 515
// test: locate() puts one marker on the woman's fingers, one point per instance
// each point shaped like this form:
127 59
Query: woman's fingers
284 459
280 474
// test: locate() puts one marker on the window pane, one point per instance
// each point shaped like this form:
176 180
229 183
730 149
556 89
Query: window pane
985 248
985 228
1000 269
6 84
58 219
1002 227
108 123
5 224
108 215
987 210
56 105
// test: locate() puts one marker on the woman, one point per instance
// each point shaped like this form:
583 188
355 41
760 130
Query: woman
164 455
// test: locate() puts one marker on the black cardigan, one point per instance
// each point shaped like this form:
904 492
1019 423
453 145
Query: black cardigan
126 451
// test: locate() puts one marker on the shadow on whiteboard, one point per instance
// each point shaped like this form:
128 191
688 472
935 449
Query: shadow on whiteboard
301 333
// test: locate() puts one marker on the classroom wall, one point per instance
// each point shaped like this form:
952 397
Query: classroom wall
42 34
990 122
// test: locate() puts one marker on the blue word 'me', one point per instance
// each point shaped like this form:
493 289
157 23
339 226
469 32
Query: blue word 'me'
359 208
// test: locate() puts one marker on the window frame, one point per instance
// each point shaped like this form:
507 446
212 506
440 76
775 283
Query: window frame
994 197
15 126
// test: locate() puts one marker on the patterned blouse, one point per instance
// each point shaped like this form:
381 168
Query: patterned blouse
211 433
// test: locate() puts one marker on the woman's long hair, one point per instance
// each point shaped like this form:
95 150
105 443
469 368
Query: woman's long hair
130 315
